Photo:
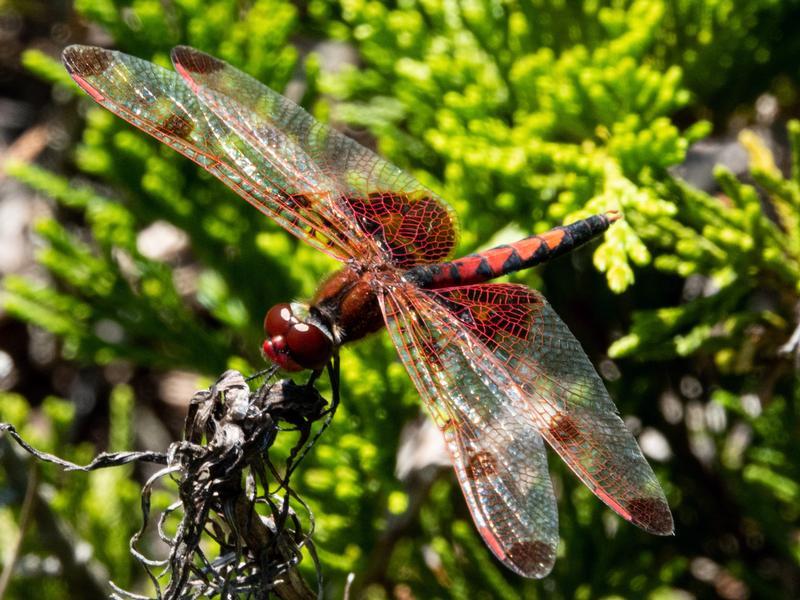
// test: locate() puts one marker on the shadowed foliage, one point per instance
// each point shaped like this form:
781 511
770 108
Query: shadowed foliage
523 115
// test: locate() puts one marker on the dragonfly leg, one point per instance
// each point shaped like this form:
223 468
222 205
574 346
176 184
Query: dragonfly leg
333 375
267 373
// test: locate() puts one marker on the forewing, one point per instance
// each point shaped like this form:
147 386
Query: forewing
499 457
407 223
158 101
558 391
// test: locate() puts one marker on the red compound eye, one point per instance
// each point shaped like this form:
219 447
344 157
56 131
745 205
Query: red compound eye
278 320
308 346
275 350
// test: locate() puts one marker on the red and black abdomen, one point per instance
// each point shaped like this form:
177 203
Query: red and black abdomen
501 260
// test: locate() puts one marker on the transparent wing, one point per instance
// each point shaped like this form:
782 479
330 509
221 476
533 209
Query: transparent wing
159 102
517 342
499 458
404 221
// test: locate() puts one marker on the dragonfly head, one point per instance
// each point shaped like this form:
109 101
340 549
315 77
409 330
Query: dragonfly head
294 344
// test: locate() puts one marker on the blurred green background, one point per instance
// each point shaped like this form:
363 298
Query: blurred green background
131 278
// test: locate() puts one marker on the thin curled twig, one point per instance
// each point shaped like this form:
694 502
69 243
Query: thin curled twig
223 475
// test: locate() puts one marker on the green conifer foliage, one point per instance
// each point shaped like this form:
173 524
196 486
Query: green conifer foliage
523 115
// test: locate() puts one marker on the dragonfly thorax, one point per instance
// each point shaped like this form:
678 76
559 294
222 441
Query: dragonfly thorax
347 300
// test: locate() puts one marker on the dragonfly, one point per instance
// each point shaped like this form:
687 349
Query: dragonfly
498 371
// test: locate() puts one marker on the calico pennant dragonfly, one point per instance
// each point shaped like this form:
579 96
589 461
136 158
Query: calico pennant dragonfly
498 371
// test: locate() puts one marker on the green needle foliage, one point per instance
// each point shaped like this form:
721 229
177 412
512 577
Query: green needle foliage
77 522
739 253
523 115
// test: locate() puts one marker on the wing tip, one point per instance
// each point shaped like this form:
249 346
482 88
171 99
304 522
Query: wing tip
190 60
532 559
86 61
652 515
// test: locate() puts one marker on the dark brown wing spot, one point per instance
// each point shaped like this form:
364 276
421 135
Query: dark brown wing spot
295 201
531 557
196 61
652 514
177 126
86 61
564 430
481 465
